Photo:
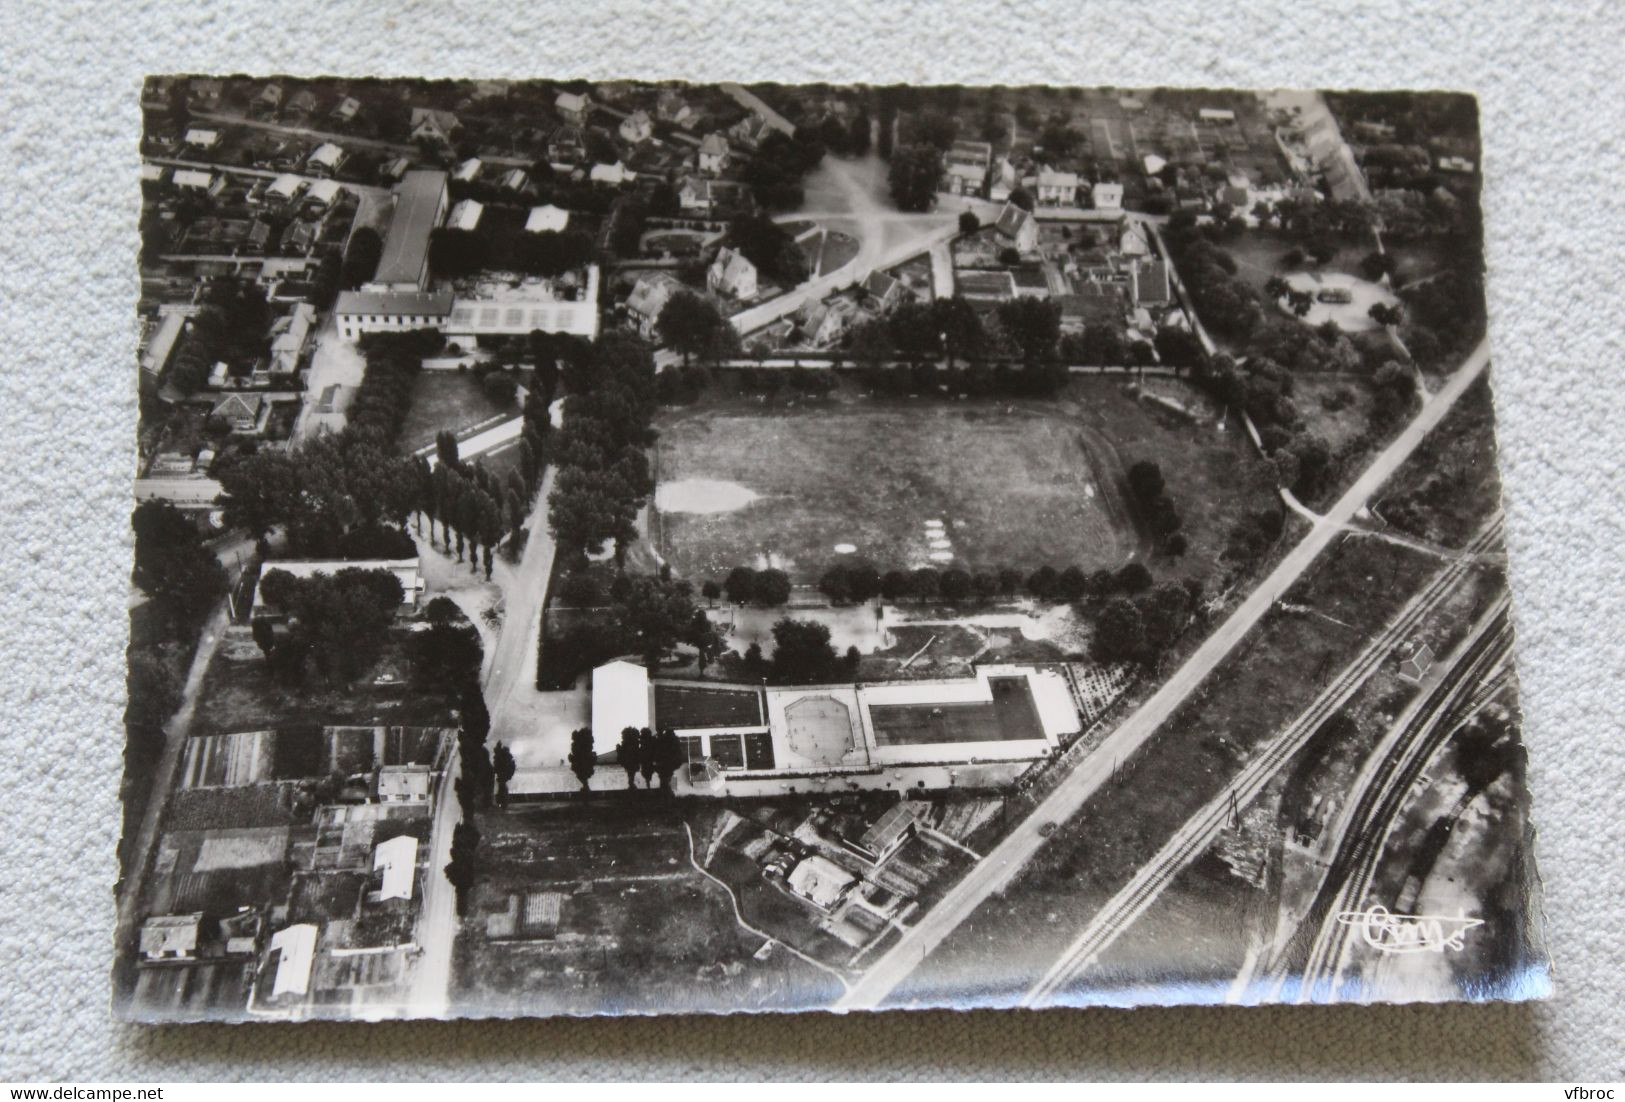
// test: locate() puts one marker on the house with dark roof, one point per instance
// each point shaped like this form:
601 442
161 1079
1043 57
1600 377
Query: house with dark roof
1150 284
884 290
713 155
649 296
1017 229
431 125
565 146
421 200
732 274
637 127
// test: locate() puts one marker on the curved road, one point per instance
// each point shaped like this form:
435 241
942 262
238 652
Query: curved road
1001 865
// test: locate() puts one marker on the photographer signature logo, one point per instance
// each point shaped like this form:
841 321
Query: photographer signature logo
1396 933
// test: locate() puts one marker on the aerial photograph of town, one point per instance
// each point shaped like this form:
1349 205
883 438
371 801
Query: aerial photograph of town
617 547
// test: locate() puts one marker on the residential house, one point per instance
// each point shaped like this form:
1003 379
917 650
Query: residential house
1017 229
1153 164
565 146
1056 188
346 110
649 296
963 179
244 413
514 180
290 335
1006 177
173 937
637 127
672 108
433 126
1216 115
821 882
325 160
610 175
191 179
750 130
301 105
322 194
573 107
884 290
1107 196
268 101
824 323
468 171
547 219
197 138
465 215
713 156
391 172
285 188
694 196
1133 242
204 94
886 835
732 274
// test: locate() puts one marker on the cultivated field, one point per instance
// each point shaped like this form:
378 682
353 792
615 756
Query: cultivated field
1011 485
586 906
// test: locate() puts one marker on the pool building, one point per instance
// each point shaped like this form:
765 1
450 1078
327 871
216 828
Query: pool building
981 731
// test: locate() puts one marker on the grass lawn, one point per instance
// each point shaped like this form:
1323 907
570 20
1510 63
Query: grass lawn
443 400
1260 254
1011 483
638 928
1260 688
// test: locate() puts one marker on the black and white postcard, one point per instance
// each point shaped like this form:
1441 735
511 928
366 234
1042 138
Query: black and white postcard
627 547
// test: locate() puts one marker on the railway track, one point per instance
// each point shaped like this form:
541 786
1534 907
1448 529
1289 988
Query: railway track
1471 685
1203 828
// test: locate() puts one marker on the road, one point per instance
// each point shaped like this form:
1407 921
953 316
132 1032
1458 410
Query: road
1000 866
886 236
1202 830
511 675
175 733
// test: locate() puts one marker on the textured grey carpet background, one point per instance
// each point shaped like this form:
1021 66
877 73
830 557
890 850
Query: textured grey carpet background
1549 78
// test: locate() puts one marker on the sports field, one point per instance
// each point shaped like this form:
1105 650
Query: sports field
1010 715
975 485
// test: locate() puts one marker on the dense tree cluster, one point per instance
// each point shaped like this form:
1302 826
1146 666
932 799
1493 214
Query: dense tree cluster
650 753
334 483
476 510
773 251
1142 627
334 624
646 615
774 173
603 473
232 326
693 325
914 176
1151 499
768 588
174 567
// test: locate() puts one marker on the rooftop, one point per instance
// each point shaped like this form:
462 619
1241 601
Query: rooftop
417 211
